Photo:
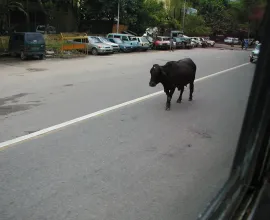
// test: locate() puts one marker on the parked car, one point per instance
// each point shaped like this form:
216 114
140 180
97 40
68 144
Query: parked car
27 44
124 47
193 43
187 41
162 42
204 42
236 41
95 46
151 41
231 40
127 38
41 29
228 40
144 44
197 40
179 43
209 42
255 53
115 46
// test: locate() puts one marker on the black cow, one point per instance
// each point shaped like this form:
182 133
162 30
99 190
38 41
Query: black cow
174 74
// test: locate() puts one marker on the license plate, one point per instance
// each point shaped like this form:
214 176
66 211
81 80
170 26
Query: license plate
34 48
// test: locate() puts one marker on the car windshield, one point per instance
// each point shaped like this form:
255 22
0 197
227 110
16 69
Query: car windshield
118 41
34 38
95 40
165 39
106 40
132 38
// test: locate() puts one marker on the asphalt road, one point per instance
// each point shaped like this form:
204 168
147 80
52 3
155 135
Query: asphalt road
136 162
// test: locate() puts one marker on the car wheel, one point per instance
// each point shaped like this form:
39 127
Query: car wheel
251 59
41 57
22 55
94 51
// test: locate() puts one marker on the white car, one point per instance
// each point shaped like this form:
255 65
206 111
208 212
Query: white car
235 41
209 42
194 43
228 40
197 40
42 28
115 47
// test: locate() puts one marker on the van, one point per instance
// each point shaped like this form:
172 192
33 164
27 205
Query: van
144 44
27 44
127 38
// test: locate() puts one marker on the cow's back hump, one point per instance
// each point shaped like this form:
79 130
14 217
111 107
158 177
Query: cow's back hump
189 62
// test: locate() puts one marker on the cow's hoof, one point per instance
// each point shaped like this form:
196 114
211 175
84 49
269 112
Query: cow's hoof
167 108
179 101
190 99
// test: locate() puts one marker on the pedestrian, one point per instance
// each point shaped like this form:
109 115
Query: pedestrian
243 44
246 44
171 44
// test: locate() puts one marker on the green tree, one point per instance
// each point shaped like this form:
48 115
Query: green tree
151 13
108 9
50 7
215 16
195 26
7 8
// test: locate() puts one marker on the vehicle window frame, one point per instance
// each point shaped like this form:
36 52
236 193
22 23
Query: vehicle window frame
253 141
95 38
126 38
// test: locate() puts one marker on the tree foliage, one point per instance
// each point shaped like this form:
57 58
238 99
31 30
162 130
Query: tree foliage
196 26
150 14
227 17
108 9
6 8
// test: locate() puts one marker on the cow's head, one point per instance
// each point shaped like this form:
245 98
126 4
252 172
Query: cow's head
156 75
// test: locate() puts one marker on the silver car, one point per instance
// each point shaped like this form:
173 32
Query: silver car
255 53
95 46
115 47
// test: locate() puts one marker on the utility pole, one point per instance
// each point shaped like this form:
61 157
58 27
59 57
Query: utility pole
118 16
184 12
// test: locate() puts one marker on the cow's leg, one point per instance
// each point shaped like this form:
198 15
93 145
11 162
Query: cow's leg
169 98
191 89
181 93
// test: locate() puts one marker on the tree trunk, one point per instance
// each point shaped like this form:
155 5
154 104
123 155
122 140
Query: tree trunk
45 13
8 19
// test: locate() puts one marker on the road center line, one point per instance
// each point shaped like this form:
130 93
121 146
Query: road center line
100 112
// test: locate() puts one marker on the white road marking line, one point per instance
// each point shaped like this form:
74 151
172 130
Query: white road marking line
97 113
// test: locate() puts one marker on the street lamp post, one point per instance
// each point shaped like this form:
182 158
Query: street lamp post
118 12
184 12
